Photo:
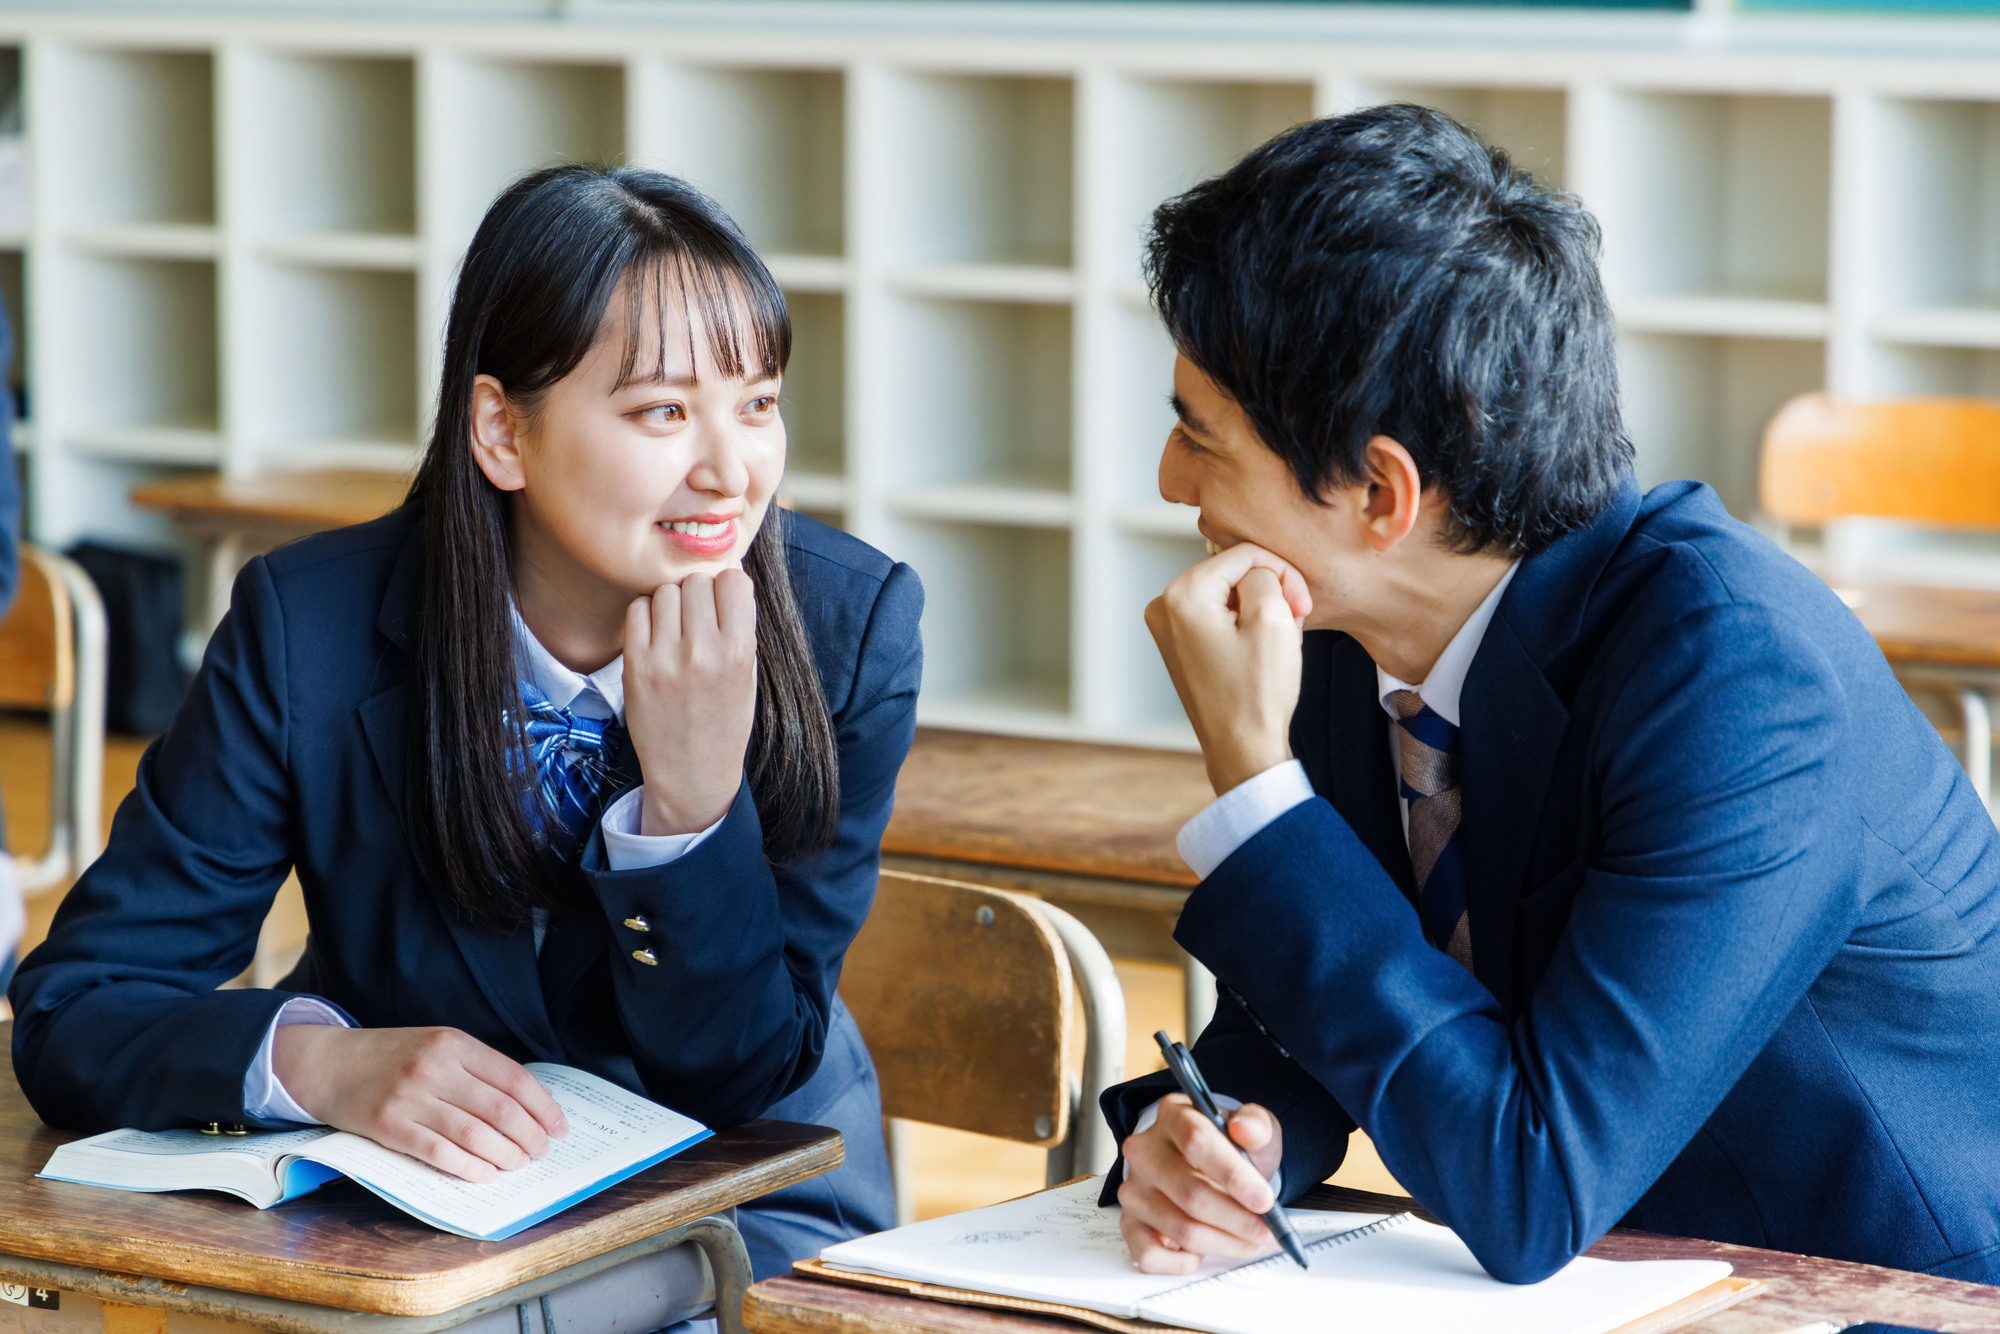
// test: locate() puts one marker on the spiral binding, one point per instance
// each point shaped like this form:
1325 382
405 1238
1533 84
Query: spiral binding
1382 1224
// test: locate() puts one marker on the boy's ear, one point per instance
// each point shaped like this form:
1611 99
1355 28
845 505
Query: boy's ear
1395 492
496 446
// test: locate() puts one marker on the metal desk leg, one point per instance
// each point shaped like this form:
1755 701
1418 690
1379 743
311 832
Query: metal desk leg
1978 714
718 1240
1200 996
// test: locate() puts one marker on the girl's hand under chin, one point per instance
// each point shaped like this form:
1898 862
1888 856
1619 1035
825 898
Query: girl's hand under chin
691 696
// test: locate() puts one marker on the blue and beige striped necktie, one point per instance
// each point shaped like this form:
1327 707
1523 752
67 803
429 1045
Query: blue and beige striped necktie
1427 747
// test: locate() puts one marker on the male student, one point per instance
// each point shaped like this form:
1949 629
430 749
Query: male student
1582 850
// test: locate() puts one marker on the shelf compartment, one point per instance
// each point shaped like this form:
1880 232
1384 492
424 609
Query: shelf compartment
1143 567
1017 506
329 145
1938 164
1716 196
807 273
813 492
997 648
345 250
1936 370
330 366
133 360
1530 123
983 170
1173 133
150 240
1941 326
815 389
1696 407
1735 317
511 117
136 130
1135 378
768 145
189 446
1161 519
985 394
1032 283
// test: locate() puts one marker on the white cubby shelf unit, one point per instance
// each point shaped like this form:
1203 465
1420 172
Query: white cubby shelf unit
242 235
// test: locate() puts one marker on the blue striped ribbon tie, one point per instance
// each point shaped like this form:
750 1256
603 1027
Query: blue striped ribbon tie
570 754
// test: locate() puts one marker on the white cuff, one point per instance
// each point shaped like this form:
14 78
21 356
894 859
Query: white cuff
629 850
1239 815
1276 1181
264 1098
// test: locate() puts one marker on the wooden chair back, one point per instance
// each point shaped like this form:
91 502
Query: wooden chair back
965 997
1932 460
37 641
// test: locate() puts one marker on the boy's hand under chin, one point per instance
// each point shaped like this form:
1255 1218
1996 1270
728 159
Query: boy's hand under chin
691 696
1231 631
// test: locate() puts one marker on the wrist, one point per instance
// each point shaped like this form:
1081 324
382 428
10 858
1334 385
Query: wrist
665 816
1230 767
299 1054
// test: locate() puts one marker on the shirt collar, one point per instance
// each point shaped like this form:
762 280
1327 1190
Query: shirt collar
601 694
1446 682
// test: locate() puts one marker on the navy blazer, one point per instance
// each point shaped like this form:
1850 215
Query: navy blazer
289 753
1733 910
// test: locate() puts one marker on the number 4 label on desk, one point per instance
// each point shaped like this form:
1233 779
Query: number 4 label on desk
46 1299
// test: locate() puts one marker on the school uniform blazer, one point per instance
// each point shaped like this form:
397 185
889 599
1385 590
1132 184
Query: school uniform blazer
289 754
1733 910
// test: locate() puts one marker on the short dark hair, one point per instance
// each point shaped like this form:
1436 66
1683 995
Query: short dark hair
1386 273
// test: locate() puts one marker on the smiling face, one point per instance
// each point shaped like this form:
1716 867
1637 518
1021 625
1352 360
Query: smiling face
633 472
1215 460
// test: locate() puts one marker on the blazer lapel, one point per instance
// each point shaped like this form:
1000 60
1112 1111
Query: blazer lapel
1513 720
1511 727
503 965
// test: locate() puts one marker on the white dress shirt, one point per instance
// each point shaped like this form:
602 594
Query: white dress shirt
601 694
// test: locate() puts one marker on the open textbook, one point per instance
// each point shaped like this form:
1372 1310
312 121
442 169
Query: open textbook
613 1134
1368 1271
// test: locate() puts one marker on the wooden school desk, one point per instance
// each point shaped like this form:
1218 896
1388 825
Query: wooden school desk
1946 640
1803 1293
341 1261
1090 828
235 518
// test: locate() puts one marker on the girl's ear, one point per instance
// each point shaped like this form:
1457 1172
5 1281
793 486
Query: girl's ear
496 446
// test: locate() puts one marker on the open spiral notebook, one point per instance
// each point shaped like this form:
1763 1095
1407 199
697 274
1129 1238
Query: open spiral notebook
1057 1251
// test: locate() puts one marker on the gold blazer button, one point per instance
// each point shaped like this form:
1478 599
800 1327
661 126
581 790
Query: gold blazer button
236 1130
211 1128
645 956
638 924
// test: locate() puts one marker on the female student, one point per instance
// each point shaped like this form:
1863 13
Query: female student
581 755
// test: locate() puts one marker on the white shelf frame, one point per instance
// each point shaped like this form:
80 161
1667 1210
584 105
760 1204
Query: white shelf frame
1073 131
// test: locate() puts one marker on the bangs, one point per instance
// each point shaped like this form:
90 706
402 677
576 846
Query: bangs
739 307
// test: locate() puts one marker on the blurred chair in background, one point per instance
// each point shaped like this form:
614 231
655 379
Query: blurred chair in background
987 1011
1907 495
13 916
52 660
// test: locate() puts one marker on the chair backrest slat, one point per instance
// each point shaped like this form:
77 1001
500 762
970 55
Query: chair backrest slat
37 645
965 998
1933 460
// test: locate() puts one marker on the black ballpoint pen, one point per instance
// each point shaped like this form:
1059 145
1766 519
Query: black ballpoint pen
1188 1075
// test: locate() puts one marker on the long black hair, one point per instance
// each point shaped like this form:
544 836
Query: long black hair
530 303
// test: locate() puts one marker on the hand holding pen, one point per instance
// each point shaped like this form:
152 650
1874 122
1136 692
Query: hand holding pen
1181 1062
